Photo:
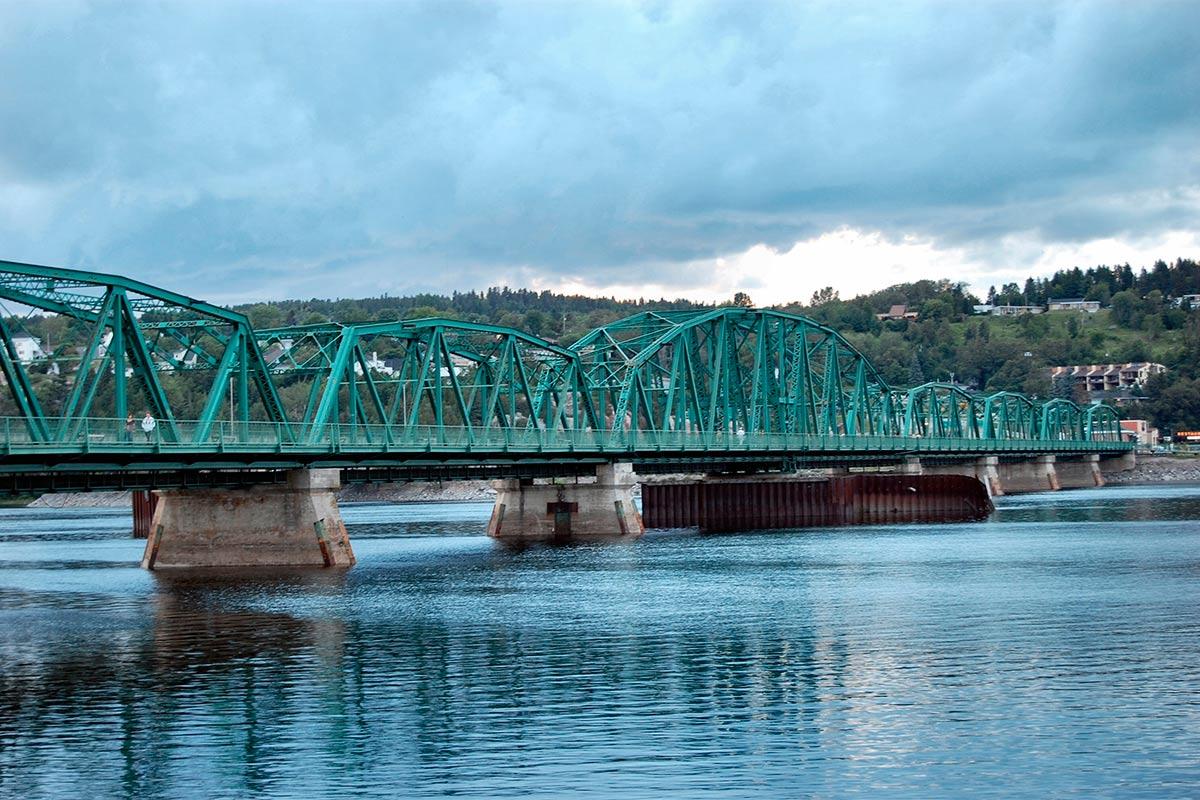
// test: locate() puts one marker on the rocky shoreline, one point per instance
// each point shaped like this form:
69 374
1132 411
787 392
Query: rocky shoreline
1158 469
448 492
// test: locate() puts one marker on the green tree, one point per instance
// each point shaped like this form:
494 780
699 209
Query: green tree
264 315
937 309
826 295
1133 350
1126 308
1152 324
537 323
1173 402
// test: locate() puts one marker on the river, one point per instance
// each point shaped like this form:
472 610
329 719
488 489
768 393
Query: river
1053 650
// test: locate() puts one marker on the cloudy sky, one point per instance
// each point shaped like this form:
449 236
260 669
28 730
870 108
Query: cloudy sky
265 149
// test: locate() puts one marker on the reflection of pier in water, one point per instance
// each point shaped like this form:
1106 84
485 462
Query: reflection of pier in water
251 693
113 699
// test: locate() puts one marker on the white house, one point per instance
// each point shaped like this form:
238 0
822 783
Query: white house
1074 304
1191 300
376 364
1014 311
28 348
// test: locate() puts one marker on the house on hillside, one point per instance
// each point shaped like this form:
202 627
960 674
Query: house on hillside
898 311
1014 311
1119 384
1191 301
1073 304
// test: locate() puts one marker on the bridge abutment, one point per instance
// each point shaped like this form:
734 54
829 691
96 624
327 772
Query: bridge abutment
527 511
293 524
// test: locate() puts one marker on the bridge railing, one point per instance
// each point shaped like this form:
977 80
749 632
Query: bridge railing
114 435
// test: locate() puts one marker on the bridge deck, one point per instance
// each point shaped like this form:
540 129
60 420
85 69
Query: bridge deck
101 438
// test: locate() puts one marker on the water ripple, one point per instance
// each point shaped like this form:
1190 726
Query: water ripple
1051 651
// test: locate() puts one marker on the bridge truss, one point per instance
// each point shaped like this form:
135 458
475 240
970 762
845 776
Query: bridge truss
81 351
423 378
114 347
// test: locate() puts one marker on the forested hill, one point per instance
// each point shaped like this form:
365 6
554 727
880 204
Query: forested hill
1143 319
559 317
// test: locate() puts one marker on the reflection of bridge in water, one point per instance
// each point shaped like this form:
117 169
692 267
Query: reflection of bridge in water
714 391
200 692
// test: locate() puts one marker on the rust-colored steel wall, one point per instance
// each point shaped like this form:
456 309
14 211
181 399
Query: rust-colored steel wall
144 503
850 500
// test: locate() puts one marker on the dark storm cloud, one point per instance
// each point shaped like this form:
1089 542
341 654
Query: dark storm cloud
267 149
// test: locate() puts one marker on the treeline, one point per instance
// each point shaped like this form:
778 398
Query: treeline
548 314
946 342
1102 283
1147 320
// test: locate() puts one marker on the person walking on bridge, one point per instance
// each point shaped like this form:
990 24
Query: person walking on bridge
130 427
148 426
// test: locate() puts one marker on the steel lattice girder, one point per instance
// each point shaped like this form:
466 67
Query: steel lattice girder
1008 415
1102 423
1062 420
724 370
732 369
439 372
943 409
123 335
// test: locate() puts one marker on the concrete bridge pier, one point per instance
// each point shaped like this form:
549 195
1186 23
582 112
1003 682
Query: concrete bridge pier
528 511
1036 474
987 470
1083 473
291 524
984 469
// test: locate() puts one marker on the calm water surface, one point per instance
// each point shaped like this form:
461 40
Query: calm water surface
1052 651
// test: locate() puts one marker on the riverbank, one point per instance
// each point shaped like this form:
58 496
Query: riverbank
449 492
1158 469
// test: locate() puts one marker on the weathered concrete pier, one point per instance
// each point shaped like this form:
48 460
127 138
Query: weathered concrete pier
293 524
562 511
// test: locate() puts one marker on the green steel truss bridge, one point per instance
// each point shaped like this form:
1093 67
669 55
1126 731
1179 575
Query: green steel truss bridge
727 388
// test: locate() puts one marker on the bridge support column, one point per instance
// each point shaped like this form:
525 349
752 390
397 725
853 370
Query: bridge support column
987 469
527 511
1035 475
984 469
1081 474
291 524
